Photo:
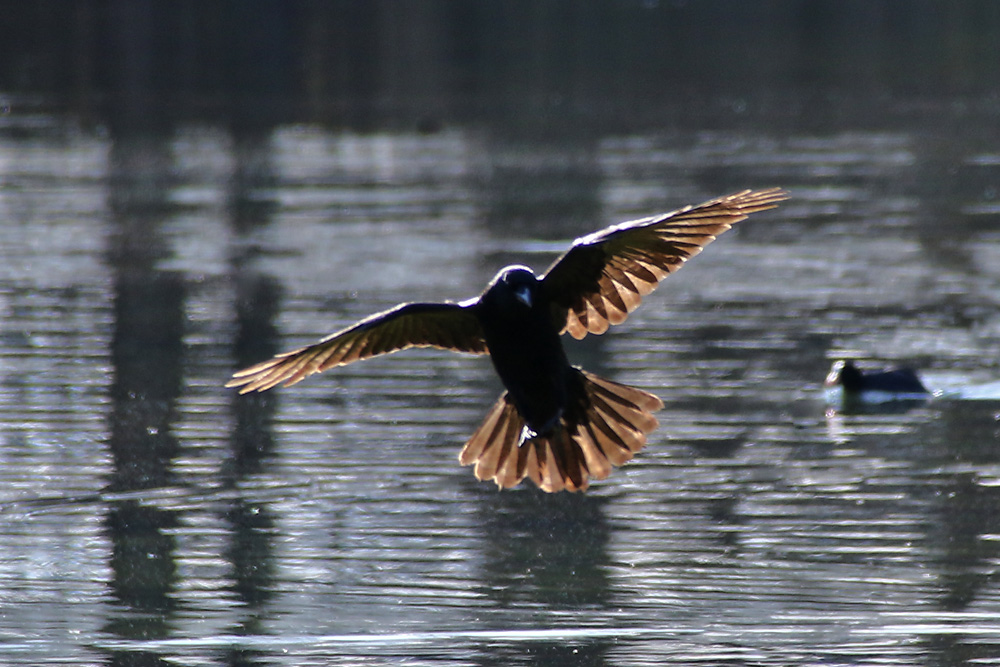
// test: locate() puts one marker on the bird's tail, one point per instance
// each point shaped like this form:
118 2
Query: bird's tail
609 429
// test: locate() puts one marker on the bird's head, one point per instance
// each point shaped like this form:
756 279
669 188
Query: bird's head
516 285
844 372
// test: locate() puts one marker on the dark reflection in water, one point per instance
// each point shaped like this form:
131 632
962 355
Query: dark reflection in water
547 553
968 509
253 576
542 550
257 300
251 524
968 513
146 353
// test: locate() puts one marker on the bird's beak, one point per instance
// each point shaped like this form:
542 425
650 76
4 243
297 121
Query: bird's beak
523 295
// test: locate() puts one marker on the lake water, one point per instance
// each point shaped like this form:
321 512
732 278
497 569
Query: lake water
149 516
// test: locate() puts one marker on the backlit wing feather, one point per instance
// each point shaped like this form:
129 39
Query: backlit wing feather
603 277
448 326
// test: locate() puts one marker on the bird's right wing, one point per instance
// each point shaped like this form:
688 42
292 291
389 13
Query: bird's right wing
449 326
603 277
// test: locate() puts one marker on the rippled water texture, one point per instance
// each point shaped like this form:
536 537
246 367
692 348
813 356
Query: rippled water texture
148 515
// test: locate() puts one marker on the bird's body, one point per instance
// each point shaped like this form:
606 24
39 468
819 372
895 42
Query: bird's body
555 423
525 347
881 386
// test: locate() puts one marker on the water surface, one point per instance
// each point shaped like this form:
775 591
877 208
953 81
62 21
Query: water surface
148 514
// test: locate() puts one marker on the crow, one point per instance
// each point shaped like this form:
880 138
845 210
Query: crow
556 423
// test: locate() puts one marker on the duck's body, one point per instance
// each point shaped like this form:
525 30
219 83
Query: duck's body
891 384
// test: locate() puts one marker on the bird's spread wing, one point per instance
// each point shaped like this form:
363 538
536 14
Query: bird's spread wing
450 326
603 277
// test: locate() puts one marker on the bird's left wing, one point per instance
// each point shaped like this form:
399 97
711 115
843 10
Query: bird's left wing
603 277
449 326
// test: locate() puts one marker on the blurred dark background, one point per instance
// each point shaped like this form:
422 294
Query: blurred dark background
380 63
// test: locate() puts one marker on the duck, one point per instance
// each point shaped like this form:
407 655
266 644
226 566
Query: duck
881 386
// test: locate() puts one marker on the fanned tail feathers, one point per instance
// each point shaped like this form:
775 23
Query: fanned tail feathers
612 429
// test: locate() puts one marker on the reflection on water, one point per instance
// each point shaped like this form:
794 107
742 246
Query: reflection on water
148 514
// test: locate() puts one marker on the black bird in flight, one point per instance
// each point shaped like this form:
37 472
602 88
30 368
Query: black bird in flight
556 424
